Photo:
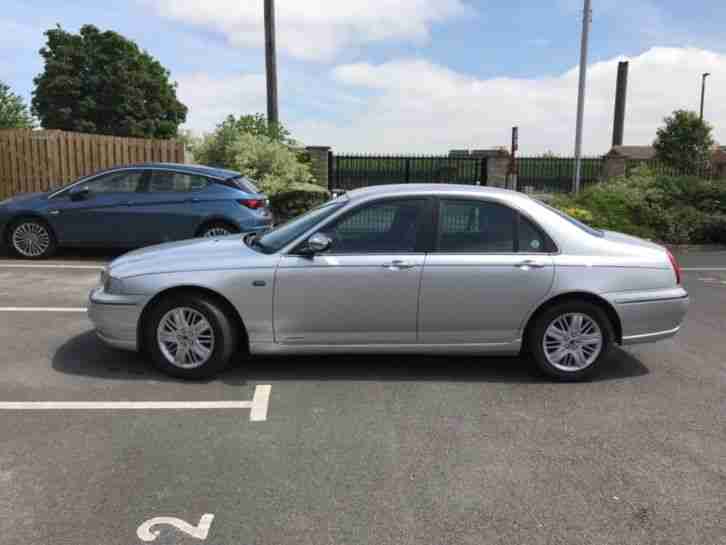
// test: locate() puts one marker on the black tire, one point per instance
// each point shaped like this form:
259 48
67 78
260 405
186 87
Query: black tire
535 340
209 229
225 337
36 226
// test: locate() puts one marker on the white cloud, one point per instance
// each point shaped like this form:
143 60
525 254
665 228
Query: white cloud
416 106
419 106
316 29
211 99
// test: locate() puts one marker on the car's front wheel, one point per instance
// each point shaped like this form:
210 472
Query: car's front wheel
32 239
569 341
189 336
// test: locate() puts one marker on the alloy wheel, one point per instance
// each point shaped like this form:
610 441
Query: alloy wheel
216 232
572 342
31 239
185 338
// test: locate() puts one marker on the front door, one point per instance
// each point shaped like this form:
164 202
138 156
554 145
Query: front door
364 289
490 269
103 215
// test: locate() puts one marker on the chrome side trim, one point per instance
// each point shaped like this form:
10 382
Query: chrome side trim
650 337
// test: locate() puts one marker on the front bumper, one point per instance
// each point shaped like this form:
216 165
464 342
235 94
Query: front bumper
649 316
116 318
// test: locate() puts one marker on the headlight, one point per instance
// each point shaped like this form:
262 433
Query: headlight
111 285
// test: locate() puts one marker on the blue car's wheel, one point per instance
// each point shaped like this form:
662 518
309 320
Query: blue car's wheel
217 229
32 239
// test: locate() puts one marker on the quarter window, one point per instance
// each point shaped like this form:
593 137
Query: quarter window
476 227
531 239
391 226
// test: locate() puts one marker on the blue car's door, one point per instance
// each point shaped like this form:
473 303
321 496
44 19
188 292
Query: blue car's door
98 212
167 207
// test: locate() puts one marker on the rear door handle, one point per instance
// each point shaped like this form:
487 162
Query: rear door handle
399 265
54 212
530 264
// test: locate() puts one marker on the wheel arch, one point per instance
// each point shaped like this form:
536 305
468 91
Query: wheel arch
579 296
211 220
26 215
227 307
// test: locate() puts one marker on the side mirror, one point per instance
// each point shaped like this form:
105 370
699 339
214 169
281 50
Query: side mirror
318 243
80 193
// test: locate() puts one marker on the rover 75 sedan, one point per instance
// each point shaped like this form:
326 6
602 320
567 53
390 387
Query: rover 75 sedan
415 269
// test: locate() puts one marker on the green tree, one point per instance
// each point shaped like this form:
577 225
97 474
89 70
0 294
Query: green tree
100 82
685 142
14 113
217 149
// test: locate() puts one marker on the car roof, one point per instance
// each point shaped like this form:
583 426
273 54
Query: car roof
214 172
433 188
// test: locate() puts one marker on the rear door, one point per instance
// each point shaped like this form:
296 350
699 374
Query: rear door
489 269
168 208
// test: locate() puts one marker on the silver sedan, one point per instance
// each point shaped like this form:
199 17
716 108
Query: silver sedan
434 269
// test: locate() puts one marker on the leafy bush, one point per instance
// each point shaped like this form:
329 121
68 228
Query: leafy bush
670 209
278 170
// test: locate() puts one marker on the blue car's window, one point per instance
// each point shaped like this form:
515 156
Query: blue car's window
287 232
245 184
118 182
163 181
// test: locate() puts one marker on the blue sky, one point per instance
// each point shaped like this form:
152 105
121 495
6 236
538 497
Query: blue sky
410 75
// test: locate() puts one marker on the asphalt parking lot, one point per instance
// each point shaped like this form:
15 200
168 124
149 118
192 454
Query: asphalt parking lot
354 450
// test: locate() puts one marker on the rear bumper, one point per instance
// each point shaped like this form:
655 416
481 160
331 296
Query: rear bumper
650 316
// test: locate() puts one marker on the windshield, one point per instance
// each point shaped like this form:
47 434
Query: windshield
577 223
281 236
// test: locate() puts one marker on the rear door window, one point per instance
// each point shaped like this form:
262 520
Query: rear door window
469 226
163 181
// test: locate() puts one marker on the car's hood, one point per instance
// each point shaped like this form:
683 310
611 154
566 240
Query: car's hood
25 199
200 254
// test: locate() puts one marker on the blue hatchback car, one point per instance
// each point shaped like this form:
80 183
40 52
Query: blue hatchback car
129 207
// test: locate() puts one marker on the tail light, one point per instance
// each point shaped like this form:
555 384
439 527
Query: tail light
676 267
254 204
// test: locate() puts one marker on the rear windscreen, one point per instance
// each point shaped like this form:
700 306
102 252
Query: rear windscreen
246 184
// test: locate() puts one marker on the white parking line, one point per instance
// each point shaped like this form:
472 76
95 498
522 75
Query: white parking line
703 269
50 266
258 406
42 309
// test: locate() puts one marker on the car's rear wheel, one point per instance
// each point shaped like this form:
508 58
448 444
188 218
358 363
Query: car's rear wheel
32 239
570 341
189 336
217 229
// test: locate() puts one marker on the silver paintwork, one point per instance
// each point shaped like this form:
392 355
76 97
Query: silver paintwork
402 303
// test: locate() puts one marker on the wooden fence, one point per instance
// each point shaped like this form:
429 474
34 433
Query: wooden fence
32 160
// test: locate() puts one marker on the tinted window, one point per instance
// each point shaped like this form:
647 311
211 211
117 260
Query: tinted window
117 182
391 226
245 184
476 226
531 239
176 182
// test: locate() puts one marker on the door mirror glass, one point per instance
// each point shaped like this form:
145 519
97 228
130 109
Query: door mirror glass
80 193
318 243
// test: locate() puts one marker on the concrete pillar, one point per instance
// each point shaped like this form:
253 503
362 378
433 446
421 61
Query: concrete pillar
319 156
613 167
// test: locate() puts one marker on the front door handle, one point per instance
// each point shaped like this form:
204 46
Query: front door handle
54 212
530 264
399 265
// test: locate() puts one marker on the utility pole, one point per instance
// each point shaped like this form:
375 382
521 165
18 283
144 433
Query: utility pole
271 64
703 90
586 20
